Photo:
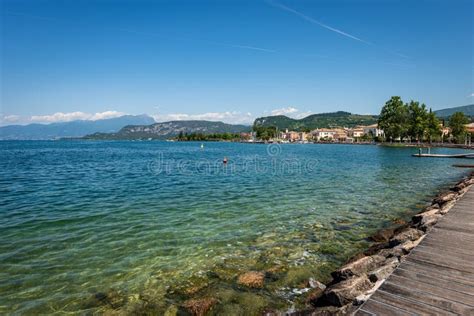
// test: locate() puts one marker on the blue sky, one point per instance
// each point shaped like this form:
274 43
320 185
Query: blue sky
230 60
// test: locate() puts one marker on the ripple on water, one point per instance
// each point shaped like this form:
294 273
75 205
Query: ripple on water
91 226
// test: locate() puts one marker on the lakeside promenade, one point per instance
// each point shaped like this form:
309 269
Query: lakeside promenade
437 277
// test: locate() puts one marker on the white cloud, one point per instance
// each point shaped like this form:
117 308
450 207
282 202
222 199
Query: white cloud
471 95
227 117
290 112
73 116
106 115
284 111
11 118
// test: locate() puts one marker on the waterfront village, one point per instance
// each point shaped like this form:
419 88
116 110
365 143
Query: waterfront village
358 134
340 135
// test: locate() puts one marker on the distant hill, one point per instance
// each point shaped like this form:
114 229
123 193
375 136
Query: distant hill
70 129
167 130
323 120
468 110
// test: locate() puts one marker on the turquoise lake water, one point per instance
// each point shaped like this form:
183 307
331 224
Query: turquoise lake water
157 223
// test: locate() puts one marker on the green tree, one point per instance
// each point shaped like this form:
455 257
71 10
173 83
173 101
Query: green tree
433 126
417 120
457 123
393 118
265 133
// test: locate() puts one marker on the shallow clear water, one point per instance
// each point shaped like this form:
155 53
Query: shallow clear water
161 222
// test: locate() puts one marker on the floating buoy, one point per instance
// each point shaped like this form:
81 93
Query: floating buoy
202 146
225 160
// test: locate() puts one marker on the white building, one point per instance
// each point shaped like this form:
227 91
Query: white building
373 130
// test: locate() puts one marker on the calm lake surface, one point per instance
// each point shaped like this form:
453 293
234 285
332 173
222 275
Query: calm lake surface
156 223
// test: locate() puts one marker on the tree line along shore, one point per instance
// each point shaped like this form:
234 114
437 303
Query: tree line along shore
398 122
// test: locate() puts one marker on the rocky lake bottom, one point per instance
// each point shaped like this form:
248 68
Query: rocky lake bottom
158 227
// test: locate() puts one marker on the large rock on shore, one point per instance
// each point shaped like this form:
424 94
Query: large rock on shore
418 218
384 271
446 207
406 235
445 197
346 291
426 220
357 268
401 249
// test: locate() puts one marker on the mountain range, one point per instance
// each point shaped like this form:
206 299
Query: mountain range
144 127
77 128
170 129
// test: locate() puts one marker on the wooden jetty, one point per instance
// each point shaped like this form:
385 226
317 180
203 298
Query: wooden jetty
437 277
469 155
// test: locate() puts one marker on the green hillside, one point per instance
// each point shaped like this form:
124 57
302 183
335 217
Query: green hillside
323 120
468 110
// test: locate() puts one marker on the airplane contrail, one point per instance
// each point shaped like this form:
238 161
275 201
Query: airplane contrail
333 29
311 20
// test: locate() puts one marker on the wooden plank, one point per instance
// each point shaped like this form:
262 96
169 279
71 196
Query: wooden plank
377 308
445 251
436 272
458 260
442 248
454 235
464 228
409 304
433 265
435 280
443 261
448 243
437 301
413 285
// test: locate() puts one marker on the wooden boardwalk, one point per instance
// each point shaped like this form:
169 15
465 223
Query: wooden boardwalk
437 277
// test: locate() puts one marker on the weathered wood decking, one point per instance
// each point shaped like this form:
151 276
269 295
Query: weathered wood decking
437 277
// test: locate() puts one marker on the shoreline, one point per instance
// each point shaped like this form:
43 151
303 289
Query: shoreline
384 144
354 282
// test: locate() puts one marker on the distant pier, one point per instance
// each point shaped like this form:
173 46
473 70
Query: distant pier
469 155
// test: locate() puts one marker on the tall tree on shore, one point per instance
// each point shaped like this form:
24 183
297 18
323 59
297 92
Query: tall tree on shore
433 126
457 123
393 118
417 120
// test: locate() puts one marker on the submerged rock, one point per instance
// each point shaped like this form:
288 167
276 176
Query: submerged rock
374 249
346 291
358 267
111 298
199 307
253 279
383 235
315 284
